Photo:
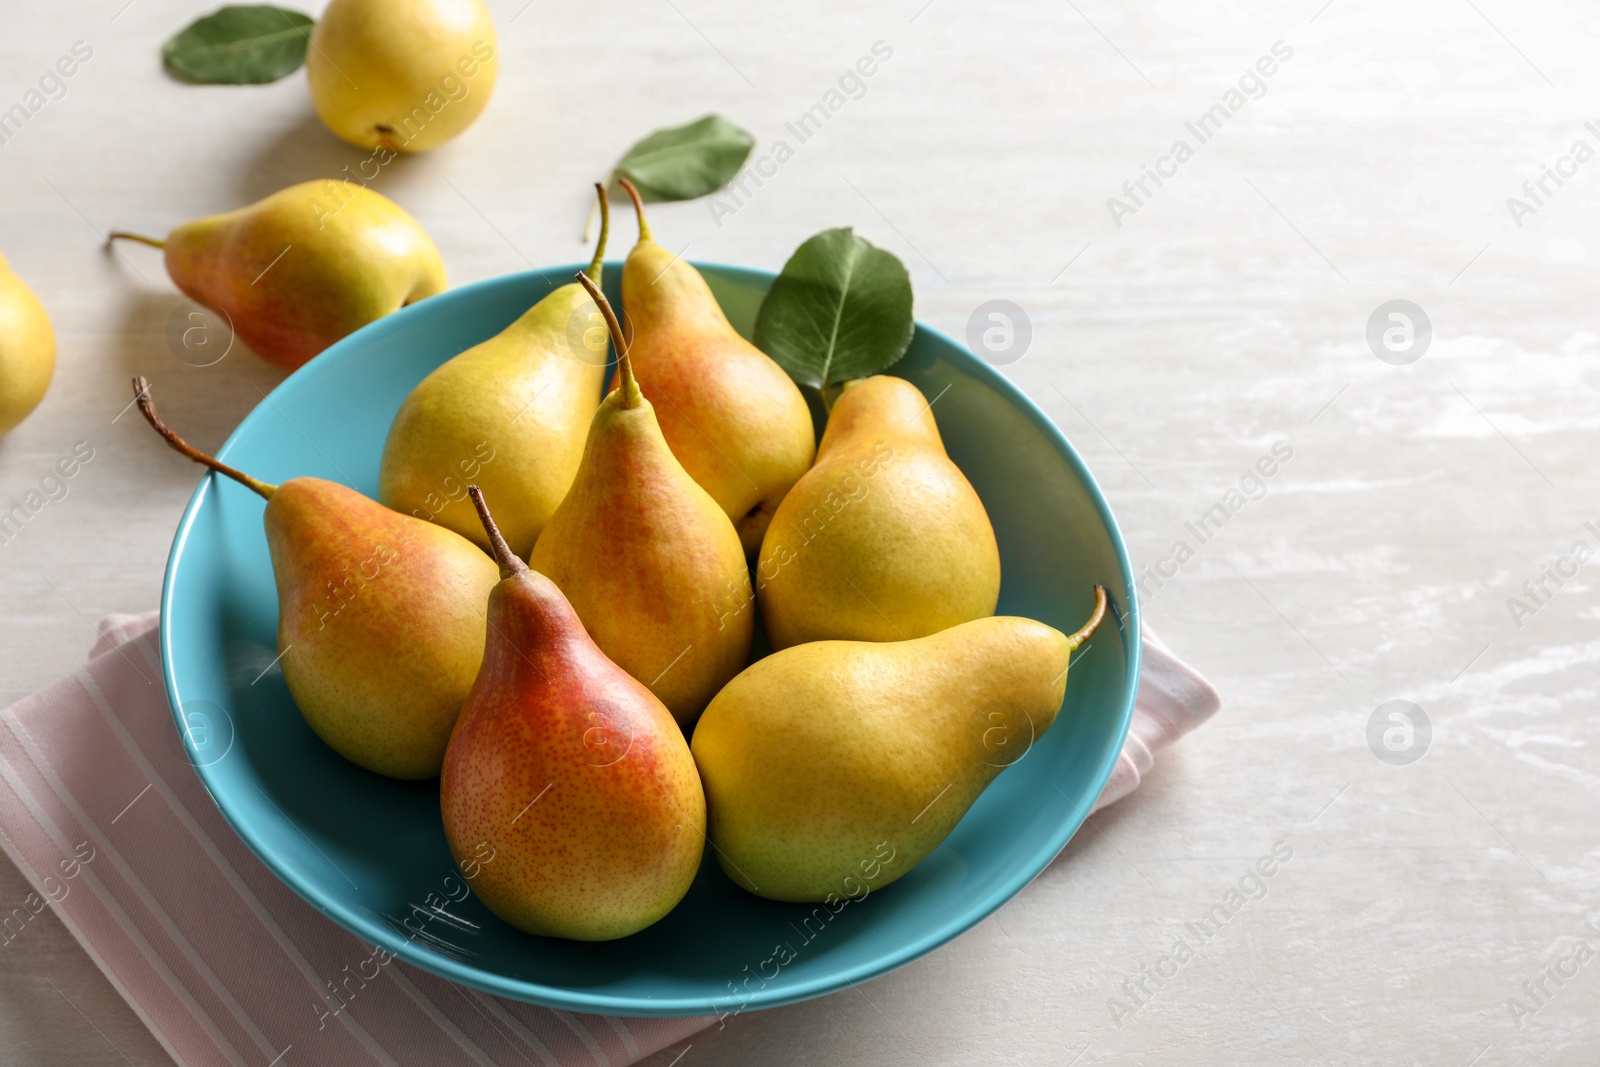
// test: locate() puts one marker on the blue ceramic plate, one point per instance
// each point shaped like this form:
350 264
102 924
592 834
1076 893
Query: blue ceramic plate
368 851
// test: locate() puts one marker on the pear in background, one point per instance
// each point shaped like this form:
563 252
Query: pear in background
511 414
27 349
402 75
649 561
833 768
884 539
380 616
570 771
309 264
733 417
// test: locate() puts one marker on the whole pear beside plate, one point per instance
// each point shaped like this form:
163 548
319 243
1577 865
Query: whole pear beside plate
304 267
404 75
27 349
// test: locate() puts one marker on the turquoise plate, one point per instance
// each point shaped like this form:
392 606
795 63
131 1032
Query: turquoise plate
368 851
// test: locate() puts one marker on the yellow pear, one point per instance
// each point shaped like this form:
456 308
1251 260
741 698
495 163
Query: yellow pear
733 417
27 349
380 615
833 768
650 563
302 268
573 778
510 414
884 539
401 75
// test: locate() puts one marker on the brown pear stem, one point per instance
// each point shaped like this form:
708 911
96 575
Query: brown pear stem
510 564
151 241
597 264
147 408
631 396
1094 620
638 209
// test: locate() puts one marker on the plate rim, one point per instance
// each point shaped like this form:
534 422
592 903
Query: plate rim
357 922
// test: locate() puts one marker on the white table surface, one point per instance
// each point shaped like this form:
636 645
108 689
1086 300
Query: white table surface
1227 313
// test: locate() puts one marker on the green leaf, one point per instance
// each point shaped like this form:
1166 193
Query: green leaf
841 309
247 44
685 162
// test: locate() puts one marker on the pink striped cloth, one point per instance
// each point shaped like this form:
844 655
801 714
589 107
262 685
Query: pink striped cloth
103 814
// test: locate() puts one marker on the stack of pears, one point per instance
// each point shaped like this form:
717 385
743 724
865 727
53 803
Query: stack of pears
548 662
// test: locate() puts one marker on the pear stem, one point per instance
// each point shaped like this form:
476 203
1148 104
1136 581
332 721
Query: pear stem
147 408
638 209
151 241
588 223
1094 620
511 564
597 264
631 396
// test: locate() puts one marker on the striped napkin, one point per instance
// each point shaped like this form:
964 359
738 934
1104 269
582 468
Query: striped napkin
102 812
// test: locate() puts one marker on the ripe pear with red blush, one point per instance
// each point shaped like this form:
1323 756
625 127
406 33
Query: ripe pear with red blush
570 770
667 596
380 615
295 272
733 417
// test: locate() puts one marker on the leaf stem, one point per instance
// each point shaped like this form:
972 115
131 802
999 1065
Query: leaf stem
631 396
147 408
638 209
